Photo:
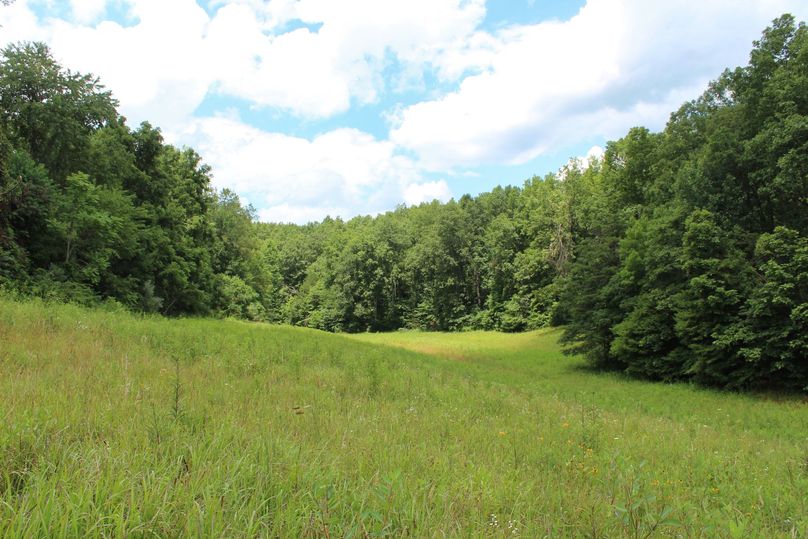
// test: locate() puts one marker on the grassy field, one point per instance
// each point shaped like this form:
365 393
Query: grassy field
115 425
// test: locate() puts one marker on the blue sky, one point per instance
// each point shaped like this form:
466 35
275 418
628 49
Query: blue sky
308 108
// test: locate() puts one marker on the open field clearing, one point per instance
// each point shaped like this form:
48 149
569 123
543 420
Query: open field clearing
118 425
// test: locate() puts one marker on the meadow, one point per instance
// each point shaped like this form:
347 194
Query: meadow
121 425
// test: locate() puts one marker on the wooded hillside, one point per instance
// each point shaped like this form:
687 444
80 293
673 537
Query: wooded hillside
679 255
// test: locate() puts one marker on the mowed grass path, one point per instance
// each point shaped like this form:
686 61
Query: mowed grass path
116 425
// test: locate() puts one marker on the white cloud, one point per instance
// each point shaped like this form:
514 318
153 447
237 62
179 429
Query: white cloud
87 11
157 68
594 154
342 172
521 91
318 73
616 64
292 71
163 64
18 23
417 193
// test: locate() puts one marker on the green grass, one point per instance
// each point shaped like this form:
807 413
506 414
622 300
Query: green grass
115 425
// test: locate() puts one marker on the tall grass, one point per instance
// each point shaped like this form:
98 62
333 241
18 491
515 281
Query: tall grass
117 425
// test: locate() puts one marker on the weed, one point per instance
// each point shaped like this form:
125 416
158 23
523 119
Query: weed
591 427
374 378
195 433
176 408
640 511
17 460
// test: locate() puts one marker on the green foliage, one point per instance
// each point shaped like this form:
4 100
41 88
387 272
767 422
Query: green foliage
238 299
89 206
88 228
49 110
773 332
592 300
708 284
717 274
149 302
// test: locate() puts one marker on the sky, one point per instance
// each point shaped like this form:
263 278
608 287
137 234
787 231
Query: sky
309 108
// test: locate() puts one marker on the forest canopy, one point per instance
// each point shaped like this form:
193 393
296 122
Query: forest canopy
680 255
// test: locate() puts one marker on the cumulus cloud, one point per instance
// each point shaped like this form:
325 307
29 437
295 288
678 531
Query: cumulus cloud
616 64
342 172
417 193
341 52
19 23
87 11
516 93
583 162
312 58
156 67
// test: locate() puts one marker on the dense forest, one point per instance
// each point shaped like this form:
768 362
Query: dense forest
680 255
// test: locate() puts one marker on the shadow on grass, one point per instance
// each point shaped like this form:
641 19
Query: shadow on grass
761 394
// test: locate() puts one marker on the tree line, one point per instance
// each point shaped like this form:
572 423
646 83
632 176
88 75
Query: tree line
680 255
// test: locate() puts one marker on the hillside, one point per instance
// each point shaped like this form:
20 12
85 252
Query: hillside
679 255
116 424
